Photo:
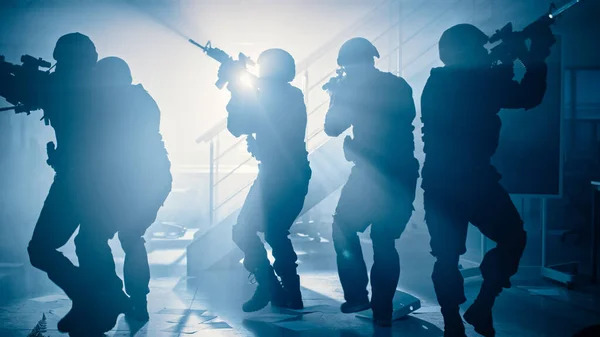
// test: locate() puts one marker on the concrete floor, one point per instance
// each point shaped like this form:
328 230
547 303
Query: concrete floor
210 306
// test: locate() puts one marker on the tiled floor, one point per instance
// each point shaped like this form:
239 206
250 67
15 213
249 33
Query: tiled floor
210 306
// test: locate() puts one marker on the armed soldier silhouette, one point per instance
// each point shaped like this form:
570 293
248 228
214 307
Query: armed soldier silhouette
381 188
113 171
102 185
461 130
273 117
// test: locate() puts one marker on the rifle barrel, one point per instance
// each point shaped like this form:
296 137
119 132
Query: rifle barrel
197 44
563 9
8 108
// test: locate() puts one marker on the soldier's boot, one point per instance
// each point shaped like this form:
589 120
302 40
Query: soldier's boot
268 290
453 323
479 314
480 317
139 309
111 305
291 292
382 319
96 316
349 307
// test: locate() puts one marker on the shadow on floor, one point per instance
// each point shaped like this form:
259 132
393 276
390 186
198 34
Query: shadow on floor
410 326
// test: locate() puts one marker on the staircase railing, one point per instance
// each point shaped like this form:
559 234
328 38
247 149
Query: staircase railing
212 135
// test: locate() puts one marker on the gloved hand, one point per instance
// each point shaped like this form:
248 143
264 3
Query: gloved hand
541 43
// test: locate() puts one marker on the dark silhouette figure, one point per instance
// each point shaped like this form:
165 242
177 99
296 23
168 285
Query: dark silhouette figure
461 128
273 116
74 199
381 188
133 160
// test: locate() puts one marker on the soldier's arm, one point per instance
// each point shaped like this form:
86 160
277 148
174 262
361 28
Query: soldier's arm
337 119
291 122
243 112
433 100
406 102
150 109
526 94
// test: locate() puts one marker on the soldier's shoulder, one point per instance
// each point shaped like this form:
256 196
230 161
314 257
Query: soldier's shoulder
139 88
296 93
139 91
391 79
440 74
437 70
141 95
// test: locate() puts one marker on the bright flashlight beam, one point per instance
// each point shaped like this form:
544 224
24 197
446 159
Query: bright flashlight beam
246 80
158 20
562 9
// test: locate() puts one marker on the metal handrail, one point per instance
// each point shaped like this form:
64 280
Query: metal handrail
317 108
233 195
315 133
321 80
231 148
421 55
233 171
212 132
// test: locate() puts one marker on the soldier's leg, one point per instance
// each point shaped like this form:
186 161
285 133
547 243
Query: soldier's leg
397 208
136 270
281 218
351 217
385 273
352 269
95 257
140 213
285 263
55 226
497 218
447 224
245 231
277 233
256 261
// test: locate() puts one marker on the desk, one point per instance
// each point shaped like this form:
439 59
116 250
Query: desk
567 273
